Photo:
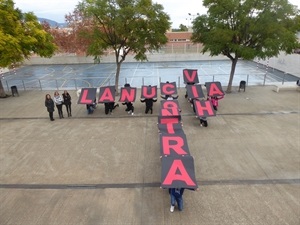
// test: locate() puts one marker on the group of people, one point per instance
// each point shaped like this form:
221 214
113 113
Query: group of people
65 99
176 194
58 101
110 106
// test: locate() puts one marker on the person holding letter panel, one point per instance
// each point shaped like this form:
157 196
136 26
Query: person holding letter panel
149 104
215 101
176 197
129 106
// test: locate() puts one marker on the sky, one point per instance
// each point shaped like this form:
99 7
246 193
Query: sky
178 10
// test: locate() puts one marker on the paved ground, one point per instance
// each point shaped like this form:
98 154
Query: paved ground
100 170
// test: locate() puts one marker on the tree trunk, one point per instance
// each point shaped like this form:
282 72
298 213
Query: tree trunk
117 77
2 92
233 66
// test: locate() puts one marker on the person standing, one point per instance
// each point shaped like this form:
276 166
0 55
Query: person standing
91 107
49 103
203 121
215 101
58 99
67 102
169 97
176 197
129 106
110 106
149 104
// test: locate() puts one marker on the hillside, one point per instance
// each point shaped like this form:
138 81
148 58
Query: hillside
52 22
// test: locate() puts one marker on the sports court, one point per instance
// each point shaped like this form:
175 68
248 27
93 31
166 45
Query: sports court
75 76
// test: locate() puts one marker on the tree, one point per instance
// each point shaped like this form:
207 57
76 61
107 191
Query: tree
20 36
69 39
183 27
247 29
125 26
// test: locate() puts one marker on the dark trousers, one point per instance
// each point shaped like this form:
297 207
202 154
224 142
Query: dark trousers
51 115
129 108
203 122
148 108
109 107
68 107
106 108
179 201
90 109
60 112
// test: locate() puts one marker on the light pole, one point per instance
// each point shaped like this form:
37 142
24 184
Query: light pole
188 21
192 17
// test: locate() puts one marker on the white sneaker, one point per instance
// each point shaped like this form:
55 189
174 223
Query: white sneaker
132 114
172 208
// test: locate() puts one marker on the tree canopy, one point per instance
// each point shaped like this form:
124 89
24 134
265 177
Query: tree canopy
20 36
182 28
71 39
247 29
125 26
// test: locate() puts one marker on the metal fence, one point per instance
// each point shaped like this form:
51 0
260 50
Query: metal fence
284 66
78 83
183 48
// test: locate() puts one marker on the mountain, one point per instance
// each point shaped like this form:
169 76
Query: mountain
52 23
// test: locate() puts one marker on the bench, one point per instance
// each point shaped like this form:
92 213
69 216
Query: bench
286 86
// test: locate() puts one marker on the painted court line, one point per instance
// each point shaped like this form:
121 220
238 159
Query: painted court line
148 185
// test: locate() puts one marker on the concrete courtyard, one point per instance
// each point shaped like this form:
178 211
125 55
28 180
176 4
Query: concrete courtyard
105 169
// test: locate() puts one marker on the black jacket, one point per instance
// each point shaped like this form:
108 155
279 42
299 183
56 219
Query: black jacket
49 103
149 101
67 98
